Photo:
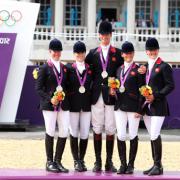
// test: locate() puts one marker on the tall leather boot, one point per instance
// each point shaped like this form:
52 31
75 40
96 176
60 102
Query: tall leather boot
147 171
97 149
50 165
132 155
109 152
74 151
61 142
82 151
122 156
157 147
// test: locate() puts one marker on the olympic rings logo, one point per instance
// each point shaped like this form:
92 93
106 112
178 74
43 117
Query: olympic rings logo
8 18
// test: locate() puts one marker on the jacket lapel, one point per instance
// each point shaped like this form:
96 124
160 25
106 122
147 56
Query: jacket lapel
112 57
155 68
97 53
132 72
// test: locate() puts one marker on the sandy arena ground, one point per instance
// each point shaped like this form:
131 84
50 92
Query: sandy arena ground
27 153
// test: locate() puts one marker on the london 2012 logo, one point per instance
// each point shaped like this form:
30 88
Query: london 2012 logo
10 18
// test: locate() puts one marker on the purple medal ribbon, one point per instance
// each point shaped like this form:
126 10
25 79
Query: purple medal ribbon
123 79
83 80
59 79
148 75
104 65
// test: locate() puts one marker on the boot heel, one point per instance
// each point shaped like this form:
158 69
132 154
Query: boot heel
161 170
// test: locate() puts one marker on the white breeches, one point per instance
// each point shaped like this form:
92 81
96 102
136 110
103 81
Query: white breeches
62 118
80 124
103 116
153 125
122 119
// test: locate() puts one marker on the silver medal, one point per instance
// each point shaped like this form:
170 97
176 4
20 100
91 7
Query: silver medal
104 74
122 89
82 89
59 88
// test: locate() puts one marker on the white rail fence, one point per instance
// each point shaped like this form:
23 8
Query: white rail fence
71 34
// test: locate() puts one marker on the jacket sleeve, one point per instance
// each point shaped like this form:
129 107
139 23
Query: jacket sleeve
168 81
40 82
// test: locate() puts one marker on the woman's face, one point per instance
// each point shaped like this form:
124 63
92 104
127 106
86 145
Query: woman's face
105 39
80 57
152 54
128 57
55 55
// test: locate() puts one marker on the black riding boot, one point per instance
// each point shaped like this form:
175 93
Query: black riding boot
50 165
132 155
157 148
109 152
58 155
147 171
122 156
74 150
97 149
82 151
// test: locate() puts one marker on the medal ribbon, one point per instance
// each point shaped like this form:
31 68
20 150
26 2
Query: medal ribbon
59 79
83 80
123 79
104 65
148 75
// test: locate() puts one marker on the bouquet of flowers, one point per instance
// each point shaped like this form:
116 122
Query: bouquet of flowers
58 97
145 90
113 83
35 73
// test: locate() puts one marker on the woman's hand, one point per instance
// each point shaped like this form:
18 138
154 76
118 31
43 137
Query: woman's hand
142 69
54 101
112 92
137 115
150 99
